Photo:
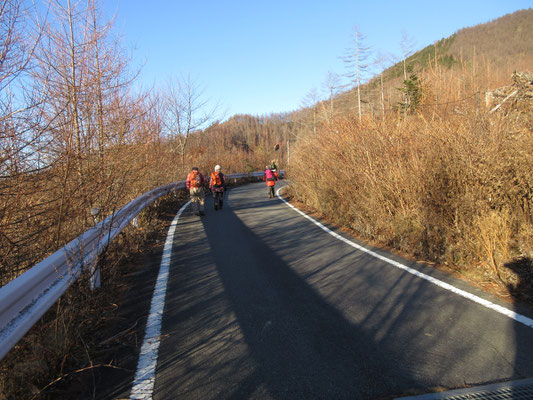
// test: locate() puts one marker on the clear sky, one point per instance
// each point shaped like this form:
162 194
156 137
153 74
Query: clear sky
258 57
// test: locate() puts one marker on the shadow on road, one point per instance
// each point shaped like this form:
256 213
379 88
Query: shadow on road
301 346
522 291
263 305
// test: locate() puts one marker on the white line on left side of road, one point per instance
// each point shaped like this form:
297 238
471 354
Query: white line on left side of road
143 384
485 303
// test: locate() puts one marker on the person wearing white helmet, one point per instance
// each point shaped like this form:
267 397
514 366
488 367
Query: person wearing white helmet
217 184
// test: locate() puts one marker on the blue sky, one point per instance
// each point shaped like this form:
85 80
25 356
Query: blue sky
259 57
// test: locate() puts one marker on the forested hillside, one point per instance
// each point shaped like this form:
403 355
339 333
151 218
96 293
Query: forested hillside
486 54
503 41
468 63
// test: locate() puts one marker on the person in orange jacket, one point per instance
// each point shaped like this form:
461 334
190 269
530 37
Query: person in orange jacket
270 177
217 184
195 185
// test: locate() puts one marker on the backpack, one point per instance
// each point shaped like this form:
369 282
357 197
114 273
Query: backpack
269 175
216 179
196 179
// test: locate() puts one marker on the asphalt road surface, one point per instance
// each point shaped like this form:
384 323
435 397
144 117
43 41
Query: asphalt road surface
263 304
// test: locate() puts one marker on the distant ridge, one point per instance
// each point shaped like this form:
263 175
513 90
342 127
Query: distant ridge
501 42
498 41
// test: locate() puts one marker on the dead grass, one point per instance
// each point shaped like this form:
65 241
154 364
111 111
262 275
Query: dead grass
452 188
72 339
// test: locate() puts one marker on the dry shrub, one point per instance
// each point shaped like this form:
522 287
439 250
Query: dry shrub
68 340
41 212
58 343
454 188
208 152
360 172
490 242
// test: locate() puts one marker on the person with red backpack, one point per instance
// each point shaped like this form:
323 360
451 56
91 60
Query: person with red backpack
195 185
270 178
217 184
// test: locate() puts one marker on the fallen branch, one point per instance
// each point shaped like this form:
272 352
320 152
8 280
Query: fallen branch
35 396
119 334
504 100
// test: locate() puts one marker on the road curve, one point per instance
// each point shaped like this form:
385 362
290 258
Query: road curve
263 304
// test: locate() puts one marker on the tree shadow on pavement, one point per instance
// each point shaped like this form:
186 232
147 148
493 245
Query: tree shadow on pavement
302 346
522 292
263 305
523 289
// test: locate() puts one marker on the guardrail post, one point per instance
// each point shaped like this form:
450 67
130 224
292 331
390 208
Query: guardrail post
94 268
95 275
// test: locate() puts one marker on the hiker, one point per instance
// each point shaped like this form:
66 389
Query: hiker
270 178
195 185
273 166
217 184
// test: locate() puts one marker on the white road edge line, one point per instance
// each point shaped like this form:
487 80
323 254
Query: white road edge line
143 384
495 307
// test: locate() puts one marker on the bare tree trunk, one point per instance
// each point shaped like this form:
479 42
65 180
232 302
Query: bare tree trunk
98 87
382 94
314 120
354 61
407 51
73 90
357 71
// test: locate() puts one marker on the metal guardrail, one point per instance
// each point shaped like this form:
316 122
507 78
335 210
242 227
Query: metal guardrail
25 299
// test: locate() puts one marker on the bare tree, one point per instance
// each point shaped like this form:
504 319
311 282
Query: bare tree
311 101
84 74
18 38
382 62
332 85
355 62
186 110
407 43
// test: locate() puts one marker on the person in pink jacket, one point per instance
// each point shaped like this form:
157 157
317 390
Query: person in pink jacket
270 178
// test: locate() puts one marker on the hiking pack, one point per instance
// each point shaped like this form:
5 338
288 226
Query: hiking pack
269 175
216 179
196 180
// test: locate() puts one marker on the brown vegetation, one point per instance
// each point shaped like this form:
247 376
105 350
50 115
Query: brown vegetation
447 181
451 183
80 336
76 138
503 41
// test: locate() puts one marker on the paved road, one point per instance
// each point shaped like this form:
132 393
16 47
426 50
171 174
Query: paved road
263 304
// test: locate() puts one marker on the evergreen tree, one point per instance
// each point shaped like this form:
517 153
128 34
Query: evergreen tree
412 90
